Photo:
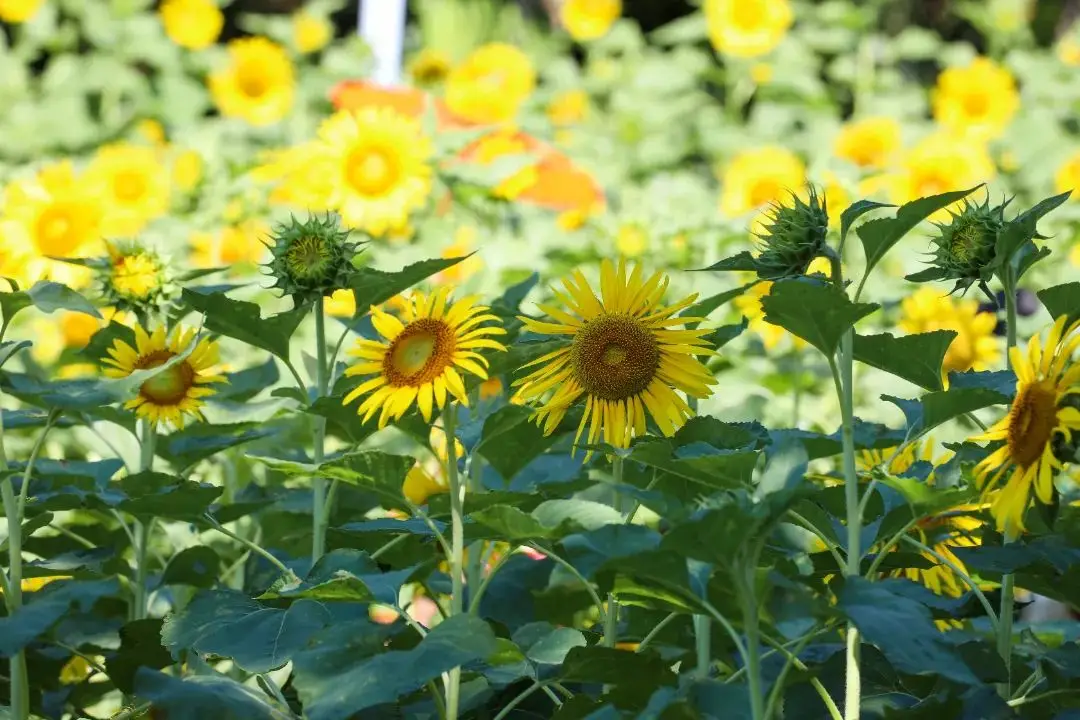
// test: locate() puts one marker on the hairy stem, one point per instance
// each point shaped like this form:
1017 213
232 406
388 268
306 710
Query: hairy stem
457 545
1005 611
320 511
142 531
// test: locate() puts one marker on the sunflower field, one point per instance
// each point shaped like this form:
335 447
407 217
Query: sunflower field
627 359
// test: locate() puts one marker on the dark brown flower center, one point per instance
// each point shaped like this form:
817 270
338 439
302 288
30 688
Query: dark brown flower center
420 353
1031 422
614 357
169 386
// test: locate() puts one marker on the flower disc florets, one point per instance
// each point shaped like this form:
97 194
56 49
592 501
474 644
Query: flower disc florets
135 278
311 259
966 246
793 236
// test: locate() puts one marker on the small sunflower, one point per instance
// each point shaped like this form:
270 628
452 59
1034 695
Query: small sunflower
589 19
625 355
1039 415
310 259
418 358
175 392
747 28
135 278
192 24
258 85
133 184
975 346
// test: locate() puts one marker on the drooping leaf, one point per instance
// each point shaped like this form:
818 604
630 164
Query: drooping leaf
154 494
935 408
915 358
616 667
372 470
880 235
46 607
818 313
243 321
699 462
742 262
855 211
198 697
257 637
344 575
374 287
246 384
48 297
1061 300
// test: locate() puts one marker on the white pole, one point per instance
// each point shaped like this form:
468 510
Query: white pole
382 25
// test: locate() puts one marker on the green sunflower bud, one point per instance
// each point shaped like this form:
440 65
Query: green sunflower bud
965 248
134 278
793 237
311 259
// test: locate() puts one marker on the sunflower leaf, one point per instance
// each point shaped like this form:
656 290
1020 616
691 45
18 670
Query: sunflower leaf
915 358
1022 228
243 321
374 287
1061 300
935 408
853 212
48 297
816 312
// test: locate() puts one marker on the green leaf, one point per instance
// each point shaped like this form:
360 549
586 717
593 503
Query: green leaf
342 420
1061 300
154 494
512 524
584 514
336 680
197 442
8 348
742 262
915 358
510 440
48 297
902 628
704 464
935 408
374 287
196 566
548 645
228 624
818 313
1022 228
372 470
616 667
724 334
140 646
45 608
247 383
343 575
103 340
198 697
878 236
243 321
702 308
855 211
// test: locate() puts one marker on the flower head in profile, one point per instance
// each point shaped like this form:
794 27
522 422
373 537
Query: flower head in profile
192 24
377 165
747 28
589 19
310 259
792 237
490 85
977 101
624 354
176 392
422 356
257 85
1042 415
975 346
135 278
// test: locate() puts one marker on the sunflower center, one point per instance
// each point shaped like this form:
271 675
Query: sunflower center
129 186
252 81
614 357
747 14
419 353
976 104
1031 422
965 242
308 257
371 171
764 191
57 231
169 386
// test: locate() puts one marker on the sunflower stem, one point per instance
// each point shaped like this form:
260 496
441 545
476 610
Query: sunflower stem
137 611
1005 611
457 546
611 618
320 511
19 680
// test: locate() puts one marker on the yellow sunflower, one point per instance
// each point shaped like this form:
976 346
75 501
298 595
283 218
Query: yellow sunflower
940 163
747 28
18 11
568 108
419 485
257 85
176 392
381 169
133 184
415 361
1045 377
977 101
625 354
869 143
491 84
429 67
237 247
757 177
975 346
589 19
1067 176
311 32
192 24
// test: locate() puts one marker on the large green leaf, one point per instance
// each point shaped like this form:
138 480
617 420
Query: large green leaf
197 442
197 566
902 628
336 678
198 697
243 321
817 312
855 211
701 463
374 287
1061 300
616 667
1022 229
140 646
878 236
46 296
344 575
372 470
246 384
153 494
46 607
510 440
342 420
915 358
935 408
257 637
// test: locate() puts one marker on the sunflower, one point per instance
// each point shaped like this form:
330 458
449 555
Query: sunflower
1067 176
757 177
1045 378
625 355
429 67
259 83
977 101
975 346
747 28
940 163
192 24
380 168
415 361
419 485
870 142
187 170
133 184
175 392
311 32
589 19
490 85
235 246
18 11
568 108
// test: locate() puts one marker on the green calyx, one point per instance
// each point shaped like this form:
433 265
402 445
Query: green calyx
793 237
965 248
312 258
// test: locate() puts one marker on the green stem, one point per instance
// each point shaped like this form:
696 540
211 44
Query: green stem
19 682
320 510
793 659
703 646
1005 612
253 547
521 697
457 546
752 630
137 611
645 641
611 619
959 572
475 598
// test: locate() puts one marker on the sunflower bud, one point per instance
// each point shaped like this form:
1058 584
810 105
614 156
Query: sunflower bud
966 247
135 278
311 259
793 237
